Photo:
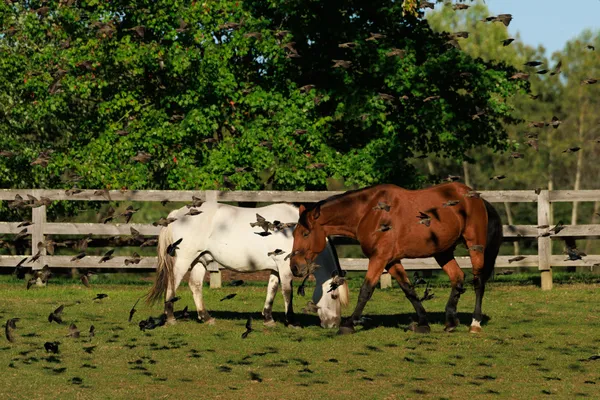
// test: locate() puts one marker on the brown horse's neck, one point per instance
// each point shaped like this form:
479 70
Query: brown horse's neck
341 215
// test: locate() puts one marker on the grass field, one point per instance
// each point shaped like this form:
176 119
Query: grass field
532 346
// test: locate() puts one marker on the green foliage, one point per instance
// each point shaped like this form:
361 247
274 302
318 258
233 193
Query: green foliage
212 91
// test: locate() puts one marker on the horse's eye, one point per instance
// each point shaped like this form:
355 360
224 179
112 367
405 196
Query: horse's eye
305 233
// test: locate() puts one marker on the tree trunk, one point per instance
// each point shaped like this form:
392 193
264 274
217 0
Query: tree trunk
579 160
466 174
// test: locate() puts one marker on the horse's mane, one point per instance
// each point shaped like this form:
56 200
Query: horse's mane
303 220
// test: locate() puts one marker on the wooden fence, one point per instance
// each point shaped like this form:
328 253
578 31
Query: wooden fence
544 260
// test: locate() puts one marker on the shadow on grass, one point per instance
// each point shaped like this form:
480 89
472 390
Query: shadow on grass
370 321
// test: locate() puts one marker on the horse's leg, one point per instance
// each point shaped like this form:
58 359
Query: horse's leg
196 283
398 272
376 267
475 236
271 292
457 276
287 290
181 266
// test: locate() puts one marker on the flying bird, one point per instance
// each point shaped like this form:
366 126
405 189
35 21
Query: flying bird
56 315
248 328
515 259
261 222
382 206
276 252
229 296
128 213
384 227
136 258
100 296
450 203
173 247
107 256
572 149
557 68
533 63
85 279
498 177
424 219
164 221
133 310
508 41
9 328
73 331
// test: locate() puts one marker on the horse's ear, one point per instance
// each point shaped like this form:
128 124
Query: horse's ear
301 209
317 212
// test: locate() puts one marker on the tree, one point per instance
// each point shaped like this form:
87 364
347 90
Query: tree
221 95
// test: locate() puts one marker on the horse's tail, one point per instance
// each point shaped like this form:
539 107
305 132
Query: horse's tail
164 270
494 240
344 294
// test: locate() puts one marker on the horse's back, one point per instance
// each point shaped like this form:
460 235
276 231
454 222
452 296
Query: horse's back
235 244
447 206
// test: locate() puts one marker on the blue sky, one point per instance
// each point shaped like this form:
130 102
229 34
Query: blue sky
548 22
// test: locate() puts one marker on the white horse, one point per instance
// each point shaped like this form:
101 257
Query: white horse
222 234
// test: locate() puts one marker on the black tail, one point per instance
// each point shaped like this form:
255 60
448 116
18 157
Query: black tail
494 240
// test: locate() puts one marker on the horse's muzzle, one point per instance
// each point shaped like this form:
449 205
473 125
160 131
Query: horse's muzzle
298 270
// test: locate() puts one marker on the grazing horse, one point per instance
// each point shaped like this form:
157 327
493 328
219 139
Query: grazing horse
223 234
392 223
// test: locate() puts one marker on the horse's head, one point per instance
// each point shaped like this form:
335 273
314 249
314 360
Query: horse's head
309 241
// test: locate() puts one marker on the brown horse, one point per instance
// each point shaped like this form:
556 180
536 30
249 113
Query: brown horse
392 223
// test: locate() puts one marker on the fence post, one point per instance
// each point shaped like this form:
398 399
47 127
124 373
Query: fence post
215 273
385 281
38 218
544 243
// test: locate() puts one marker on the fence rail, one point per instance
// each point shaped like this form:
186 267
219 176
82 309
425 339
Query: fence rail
544 260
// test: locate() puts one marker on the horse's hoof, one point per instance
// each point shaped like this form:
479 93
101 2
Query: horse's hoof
419 328
345 330
475 329
450 328
271 323
211 321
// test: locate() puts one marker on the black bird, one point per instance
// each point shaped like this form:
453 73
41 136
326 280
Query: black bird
85 279
51 347
89 349
56 315
417 280
79 256
236 282
73 331
262 222
92 331
336 282
382 206
135 260
193 212
133 310
559 227
129 211
427 295
508 41
424 219
517 258
20 270
9 328
229 296
384 227
149 242
533 63
173 246
107 256
164 221
100 296
276 252
574 254
248 328
302 286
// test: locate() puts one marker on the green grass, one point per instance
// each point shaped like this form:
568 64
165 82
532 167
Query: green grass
530 347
